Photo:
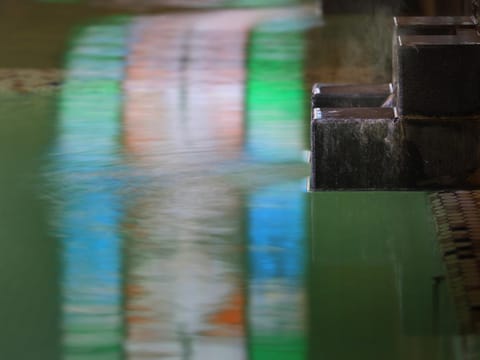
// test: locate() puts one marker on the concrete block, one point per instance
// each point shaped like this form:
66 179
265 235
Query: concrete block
369 148
443 153
356 148
339 96
431 25
426 25
438 75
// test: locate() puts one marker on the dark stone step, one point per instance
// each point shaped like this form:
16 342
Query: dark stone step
336 96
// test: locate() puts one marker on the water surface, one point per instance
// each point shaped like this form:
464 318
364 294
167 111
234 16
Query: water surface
156 208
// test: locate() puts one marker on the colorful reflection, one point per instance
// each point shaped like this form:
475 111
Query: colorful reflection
276 96
185 89
184 117
182 102
277 213
90 209
179 289
277 247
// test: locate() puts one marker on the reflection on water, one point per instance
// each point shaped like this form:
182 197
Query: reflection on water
182 215
188 297
90 207
276 93
178 286
277 241
276 213
184 283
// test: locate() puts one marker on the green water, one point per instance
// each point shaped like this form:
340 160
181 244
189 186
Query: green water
372 259
29 265
122 237
374 262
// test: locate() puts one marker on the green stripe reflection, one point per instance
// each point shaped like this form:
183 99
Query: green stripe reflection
276 116
277 107
90 207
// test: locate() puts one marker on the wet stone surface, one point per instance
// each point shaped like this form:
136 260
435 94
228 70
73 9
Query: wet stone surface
345 96
438 75
356 148
434 100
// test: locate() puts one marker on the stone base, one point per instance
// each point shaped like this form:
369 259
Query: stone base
430 140
369 148
356 148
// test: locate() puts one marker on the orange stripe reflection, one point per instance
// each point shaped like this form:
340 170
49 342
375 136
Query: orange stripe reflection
184 106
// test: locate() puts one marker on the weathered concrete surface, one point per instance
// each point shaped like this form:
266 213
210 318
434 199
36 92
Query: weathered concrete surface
438 75
443 153
432 140
431 25
425 25
357 148
368 148
345 96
